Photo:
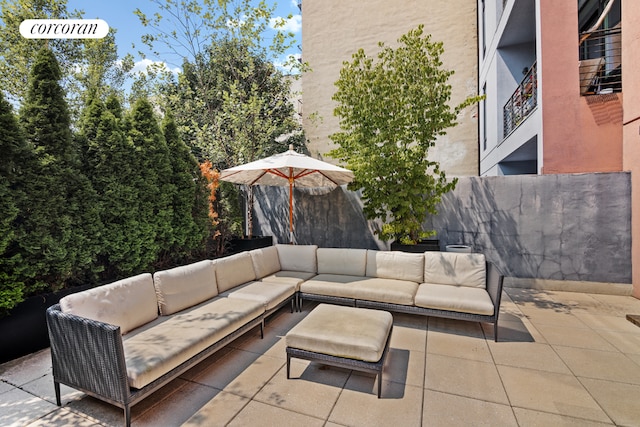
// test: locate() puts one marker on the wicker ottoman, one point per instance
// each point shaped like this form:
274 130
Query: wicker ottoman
345 337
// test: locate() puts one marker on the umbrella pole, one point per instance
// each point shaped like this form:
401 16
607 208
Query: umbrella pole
291 205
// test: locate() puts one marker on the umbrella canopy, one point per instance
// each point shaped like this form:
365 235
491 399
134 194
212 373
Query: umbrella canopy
288 168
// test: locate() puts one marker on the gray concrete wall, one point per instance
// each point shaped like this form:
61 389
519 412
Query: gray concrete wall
327 218
547 227
560 227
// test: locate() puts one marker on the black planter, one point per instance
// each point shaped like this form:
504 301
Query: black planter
424 245
24 330
247 244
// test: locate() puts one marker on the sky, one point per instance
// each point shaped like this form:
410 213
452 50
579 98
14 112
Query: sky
119 15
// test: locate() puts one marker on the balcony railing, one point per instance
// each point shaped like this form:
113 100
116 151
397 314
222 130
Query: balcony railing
523 101
601 61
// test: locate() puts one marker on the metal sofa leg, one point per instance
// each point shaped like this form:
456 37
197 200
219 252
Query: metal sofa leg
56 386
495 331
127 415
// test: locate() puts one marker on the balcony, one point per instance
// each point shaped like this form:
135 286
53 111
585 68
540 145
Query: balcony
601 62
523 101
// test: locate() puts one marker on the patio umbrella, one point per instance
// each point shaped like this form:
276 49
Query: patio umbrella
288 168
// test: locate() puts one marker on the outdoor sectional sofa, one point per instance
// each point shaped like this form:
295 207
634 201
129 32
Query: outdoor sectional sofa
121 342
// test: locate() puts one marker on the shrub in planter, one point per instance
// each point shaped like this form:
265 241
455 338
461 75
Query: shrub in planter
391 112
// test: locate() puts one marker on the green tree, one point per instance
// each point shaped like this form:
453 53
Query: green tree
391 113
97 72
241 115
230 101
153 183
184 28
190 210
243 112
62 219
111 165
15 157
18 53
88 66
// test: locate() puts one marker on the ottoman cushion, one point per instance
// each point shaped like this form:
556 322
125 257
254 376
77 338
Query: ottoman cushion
353 333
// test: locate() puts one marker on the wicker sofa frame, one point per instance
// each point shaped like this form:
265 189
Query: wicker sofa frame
89 356
494 282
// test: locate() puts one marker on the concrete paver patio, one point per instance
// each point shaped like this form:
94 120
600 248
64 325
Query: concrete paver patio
563 358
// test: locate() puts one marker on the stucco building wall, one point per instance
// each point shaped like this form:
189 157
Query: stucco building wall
631 123
579 133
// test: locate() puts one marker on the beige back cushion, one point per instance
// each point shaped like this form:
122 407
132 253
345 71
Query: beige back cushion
234 270
395 265
298 257
265 261
351 262
449 268
185 286
127 303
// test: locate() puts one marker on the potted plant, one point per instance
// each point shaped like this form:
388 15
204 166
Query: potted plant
391 112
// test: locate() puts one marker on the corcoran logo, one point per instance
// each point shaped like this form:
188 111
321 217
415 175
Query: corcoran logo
64 28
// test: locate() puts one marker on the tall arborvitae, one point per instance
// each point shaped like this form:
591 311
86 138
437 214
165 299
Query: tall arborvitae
190 209
155 190
63 224
111 167
16 157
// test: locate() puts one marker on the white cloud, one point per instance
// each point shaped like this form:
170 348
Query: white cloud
144 64
294 24
285 66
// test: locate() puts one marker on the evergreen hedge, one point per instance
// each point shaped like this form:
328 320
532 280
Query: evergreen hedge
118 196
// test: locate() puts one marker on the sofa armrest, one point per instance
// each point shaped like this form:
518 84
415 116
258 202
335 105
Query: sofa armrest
88 355
494 286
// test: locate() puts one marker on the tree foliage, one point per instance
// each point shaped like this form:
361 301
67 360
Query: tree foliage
189 222
109 161
87 66
153 182
233 105
17 54
16 156
182 29
230 101
62 218
391 111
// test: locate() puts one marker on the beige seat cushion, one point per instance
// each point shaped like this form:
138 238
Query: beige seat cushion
128 303
234 270
448 268
185 286
390 291
268 293
365 288
354 333
157 350
298 257
335 285
265 261
288 276
463 299
395 265
351 262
